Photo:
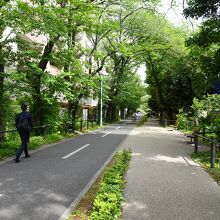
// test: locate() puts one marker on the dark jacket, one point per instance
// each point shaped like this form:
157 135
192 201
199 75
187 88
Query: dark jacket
26 115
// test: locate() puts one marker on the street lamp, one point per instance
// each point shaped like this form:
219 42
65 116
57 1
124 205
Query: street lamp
100 100
101 73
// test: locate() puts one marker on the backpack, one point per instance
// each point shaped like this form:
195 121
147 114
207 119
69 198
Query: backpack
23 123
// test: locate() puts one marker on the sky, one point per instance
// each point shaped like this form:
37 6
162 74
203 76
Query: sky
175 13
172 13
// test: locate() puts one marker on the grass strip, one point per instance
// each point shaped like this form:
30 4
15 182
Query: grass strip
12 144
104 199
9 147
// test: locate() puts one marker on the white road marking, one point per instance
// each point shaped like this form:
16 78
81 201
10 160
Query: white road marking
76 151
118 127
106 134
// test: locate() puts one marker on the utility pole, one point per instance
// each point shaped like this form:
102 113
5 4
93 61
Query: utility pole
101 100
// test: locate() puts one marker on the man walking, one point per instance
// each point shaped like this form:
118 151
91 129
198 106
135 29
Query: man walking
24 125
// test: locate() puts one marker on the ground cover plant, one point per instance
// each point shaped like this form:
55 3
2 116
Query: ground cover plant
104 199
12 142
9 147
203 158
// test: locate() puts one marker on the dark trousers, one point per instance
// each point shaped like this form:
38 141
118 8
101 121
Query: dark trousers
25 136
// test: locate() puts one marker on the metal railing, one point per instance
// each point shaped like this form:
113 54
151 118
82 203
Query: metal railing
43 133
43 130
80 125
213 144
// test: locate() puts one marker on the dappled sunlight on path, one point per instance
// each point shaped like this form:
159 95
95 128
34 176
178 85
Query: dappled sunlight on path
163 182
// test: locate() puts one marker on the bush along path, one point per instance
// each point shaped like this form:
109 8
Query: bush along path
142 121
104 199
9 147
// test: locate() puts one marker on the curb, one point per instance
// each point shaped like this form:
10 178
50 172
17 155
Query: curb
73 205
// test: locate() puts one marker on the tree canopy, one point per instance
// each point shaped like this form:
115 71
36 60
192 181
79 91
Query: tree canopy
83 42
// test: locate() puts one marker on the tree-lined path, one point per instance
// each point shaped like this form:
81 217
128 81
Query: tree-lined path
44 186
163 183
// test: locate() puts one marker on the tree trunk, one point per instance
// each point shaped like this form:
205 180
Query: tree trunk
160 95
38 102
122 109
73 107
111 114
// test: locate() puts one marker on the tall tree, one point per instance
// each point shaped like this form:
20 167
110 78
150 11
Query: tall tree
6 49
161 47
121 59
205 43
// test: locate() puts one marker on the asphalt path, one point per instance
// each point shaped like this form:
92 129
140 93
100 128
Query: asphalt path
163 183
50 183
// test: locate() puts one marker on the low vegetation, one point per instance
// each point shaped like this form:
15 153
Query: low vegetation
204 116
12 141
103 201
142 120
9 147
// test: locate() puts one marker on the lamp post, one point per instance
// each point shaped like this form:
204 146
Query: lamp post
100 100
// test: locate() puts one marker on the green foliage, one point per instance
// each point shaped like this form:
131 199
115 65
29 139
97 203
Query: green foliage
202 8
161 47
205 113
9 146
217 126
10 109
206 109
107 203
142 120
13 144
36 141
205 45
6 152
53 138
130 93
207 34
183 121
82 38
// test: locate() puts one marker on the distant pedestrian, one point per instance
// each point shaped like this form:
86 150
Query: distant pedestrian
24 125
134 117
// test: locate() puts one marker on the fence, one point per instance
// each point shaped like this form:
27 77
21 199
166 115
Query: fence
46 129
202 135
80 125
213 144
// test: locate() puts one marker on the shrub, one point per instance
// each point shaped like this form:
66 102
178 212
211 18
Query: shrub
8 148
142 120
107 203
217 127
205 114
53 138
35 142
183 122
6 152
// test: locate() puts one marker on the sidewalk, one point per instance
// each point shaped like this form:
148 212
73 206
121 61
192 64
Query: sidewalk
163 183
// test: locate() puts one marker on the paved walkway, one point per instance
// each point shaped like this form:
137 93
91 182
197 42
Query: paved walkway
163 183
